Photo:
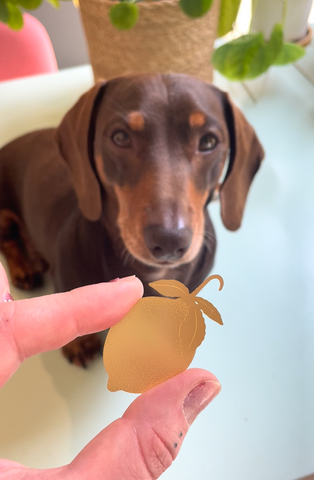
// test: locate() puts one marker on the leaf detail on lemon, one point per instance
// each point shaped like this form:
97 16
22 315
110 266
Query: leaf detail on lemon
191 331
170 288
209 310
158 337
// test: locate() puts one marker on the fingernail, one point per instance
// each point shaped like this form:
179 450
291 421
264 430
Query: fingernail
7 297
124 279
199 397
127 279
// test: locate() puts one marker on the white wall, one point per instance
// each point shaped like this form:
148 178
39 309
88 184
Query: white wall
65 31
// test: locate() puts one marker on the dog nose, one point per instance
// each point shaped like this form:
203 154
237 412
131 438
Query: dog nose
167 244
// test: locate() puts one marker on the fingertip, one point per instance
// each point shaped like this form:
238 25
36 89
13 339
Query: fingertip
138 285
199 398
168 410
2 272
200 387
190 378
106 303
4 284
117 288
185 390
130 286
199 373
132 279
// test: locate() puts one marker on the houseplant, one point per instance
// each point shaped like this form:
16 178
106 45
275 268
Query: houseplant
170 35
240 59
124 13
277 31
11 10
150 36
188 37
274 25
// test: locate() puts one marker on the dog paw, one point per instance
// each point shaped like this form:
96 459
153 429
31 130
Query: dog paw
83 350
26 280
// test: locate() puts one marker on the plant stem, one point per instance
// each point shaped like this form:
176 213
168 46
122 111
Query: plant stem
206 281
284 12
254 7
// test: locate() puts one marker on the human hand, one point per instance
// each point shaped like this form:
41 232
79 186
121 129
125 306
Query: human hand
141 444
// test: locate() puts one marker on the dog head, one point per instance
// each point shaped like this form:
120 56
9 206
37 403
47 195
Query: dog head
146 153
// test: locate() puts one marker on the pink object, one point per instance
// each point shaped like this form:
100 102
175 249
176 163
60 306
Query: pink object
25 52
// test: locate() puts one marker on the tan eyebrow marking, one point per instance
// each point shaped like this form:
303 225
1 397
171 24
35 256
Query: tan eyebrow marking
136 121
197 119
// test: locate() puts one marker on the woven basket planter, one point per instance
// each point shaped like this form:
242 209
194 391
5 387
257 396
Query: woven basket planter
164 40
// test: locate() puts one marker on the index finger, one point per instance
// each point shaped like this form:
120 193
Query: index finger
4 284
39 324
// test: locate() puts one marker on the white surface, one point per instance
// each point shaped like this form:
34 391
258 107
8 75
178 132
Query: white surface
261 425
270 12
245 12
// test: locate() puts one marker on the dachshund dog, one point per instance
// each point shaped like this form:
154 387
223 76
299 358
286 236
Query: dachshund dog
122 185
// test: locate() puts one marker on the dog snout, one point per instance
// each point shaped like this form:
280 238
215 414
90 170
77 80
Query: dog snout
167 244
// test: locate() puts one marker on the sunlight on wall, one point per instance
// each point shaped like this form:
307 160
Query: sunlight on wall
244 16
311 17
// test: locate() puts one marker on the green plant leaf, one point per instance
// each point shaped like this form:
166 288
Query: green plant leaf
4 12
289 53
234 58
195 8
228 13
254 5
266 55
248 56
124 15
15 17
30 4
54 3
170 288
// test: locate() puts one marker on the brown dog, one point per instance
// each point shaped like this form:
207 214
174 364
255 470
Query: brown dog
121 187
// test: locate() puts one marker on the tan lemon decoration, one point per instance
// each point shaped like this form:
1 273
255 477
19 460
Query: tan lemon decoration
158 338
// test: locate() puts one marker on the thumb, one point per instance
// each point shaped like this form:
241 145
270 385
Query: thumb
144 442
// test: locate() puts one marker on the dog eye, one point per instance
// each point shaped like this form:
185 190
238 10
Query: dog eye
122 139
207 143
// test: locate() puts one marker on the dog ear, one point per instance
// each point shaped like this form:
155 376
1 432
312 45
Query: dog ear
74 137
246 154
